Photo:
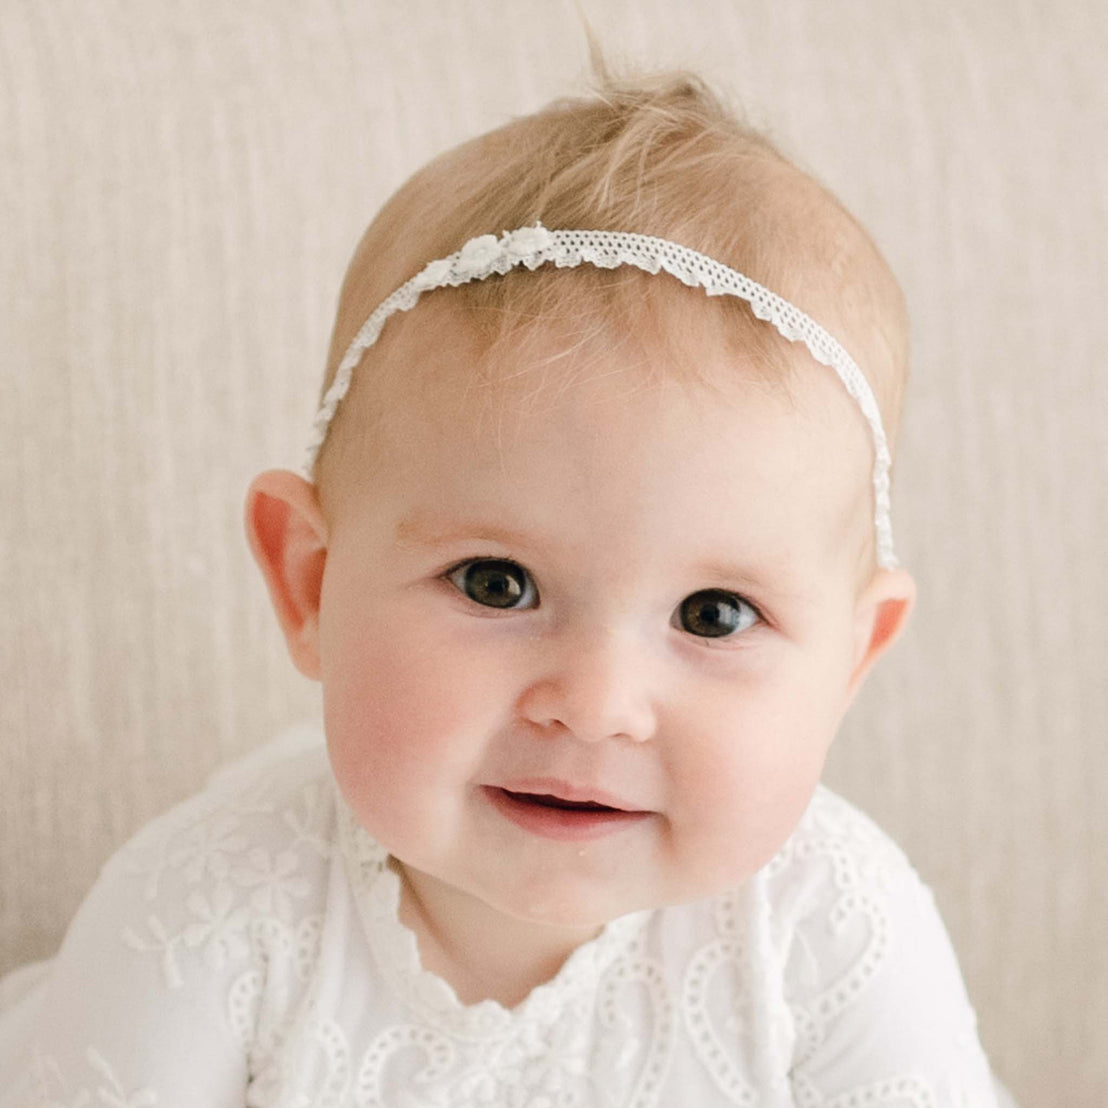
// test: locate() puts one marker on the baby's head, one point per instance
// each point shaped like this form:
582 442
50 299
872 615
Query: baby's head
588 536
661 158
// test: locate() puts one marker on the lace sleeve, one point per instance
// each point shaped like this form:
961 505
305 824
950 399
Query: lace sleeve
880 1009
130 1013
173 978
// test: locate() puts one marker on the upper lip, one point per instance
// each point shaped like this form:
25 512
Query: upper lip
563 790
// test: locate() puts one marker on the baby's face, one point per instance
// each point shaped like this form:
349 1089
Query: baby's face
640 599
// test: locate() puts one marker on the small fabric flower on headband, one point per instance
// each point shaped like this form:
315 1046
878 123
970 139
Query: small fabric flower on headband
478 256
527 241
434 274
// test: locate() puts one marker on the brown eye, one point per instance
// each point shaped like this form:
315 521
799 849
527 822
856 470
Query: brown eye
495 583
713 613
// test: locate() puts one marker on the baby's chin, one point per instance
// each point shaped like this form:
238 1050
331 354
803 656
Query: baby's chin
561 905
580 921
584 908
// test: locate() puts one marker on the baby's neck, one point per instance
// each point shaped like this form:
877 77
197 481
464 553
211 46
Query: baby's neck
480 952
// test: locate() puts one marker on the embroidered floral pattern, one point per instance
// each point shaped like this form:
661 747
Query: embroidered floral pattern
54 1090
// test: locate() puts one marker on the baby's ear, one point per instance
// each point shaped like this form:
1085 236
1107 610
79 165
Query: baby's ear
288 537
881 613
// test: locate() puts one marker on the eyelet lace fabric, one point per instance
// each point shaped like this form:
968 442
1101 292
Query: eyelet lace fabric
532 247
246 949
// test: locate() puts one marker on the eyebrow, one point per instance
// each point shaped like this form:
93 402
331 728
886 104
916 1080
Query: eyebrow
420 531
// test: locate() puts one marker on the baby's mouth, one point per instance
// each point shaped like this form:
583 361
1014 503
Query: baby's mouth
545 800
551 816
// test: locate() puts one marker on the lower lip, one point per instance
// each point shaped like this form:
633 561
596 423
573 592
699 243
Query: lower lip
567 824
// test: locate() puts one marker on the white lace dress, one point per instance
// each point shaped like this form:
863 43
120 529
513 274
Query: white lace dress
244 949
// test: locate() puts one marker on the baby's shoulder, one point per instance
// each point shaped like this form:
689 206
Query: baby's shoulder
830 820
866 968
196 937
837 850
246 855
274 801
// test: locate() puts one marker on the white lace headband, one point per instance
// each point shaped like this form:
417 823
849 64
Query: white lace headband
535 246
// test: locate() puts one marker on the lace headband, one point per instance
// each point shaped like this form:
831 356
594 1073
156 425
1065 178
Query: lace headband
535 246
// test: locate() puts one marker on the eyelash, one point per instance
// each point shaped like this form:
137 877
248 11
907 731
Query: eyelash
710 640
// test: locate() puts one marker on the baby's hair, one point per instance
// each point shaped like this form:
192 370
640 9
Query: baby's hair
660 155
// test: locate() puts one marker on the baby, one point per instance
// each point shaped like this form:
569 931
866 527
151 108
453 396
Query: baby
594 555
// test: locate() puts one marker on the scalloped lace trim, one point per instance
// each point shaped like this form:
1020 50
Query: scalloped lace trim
396 949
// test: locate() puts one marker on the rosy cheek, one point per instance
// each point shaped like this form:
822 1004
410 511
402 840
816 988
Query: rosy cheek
743 780
401 711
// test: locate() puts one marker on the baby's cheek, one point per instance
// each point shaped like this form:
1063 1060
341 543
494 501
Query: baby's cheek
737 803
397 720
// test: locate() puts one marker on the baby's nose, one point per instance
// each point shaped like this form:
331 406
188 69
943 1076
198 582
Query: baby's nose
595 687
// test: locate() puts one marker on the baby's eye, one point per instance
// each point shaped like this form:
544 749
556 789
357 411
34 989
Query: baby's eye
713 613
495 583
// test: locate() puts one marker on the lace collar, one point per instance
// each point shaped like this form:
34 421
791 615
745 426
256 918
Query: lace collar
395 950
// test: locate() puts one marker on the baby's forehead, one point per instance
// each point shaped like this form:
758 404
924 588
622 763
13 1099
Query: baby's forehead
448 371
564 403
612 443
525 333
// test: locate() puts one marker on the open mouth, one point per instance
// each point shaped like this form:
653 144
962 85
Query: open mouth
555 817
545 800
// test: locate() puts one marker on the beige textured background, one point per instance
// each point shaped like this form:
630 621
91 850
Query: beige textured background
180 187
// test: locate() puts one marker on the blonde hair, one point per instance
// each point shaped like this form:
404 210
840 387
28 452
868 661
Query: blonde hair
661 155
